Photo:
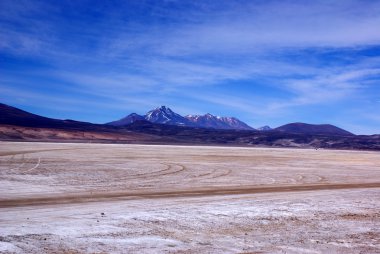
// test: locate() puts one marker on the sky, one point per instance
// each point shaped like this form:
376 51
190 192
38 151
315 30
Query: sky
265 62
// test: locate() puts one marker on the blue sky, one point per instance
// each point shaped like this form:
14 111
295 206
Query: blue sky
265 62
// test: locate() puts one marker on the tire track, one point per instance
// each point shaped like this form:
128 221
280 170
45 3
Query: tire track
112 196
158 173
224 173
182 168
139 174
204 174
36 166
213 174
153 173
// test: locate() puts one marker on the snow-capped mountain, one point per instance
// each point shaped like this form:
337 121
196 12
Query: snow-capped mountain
264 128
218 122
127 120
165 115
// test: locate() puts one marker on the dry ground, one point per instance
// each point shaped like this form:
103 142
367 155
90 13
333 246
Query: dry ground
99 198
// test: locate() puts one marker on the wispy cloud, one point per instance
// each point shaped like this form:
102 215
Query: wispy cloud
254 27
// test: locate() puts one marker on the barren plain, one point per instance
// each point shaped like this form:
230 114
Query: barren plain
104 198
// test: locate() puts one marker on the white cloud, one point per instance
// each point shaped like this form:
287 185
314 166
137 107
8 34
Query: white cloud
330 86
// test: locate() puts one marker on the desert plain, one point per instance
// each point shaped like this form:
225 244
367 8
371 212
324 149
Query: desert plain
124 198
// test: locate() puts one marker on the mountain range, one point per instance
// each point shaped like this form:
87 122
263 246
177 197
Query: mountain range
163 126
165 115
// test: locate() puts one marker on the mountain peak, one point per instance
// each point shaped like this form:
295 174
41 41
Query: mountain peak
127 120
163 108
265 128
210 116
165 115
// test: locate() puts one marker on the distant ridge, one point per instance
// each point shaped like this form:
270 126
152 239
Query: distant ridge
304 128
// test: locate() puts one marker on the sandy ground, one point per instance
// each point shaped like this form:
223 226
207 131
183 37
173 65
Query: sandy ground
100 198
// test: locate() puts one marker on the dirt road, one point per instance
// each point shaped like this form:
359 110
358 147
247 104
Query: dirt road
222 191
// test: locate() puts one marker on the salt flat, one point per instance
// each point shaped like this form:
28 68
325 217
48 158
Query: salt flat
96 198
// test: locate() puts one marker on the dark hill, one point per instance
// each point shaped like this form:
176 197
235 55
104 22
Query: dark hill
127 120
13 116
304 128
